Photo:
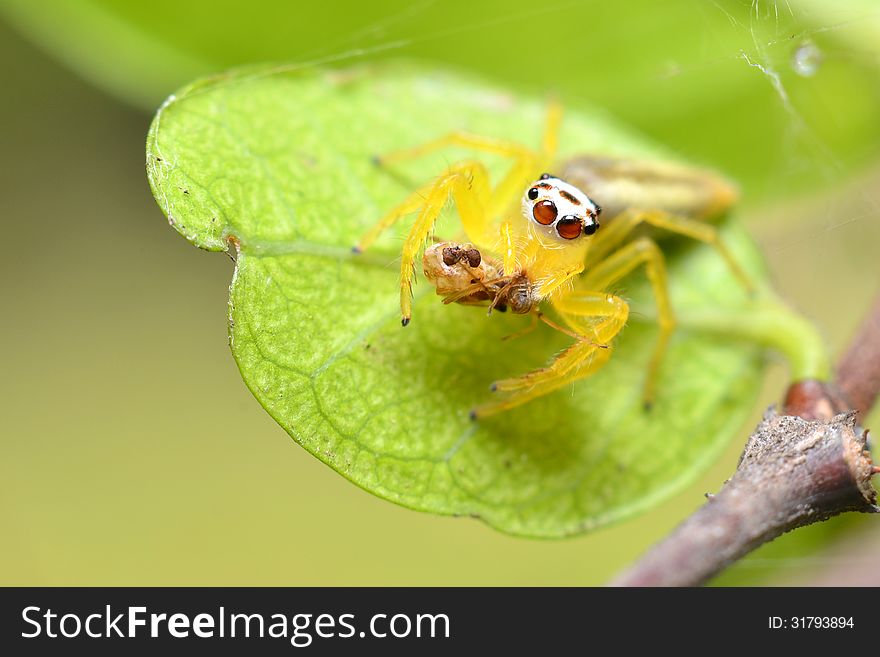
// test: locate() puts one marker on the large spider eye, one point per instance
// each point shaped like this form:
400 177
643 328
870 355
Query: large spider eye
591 228
569 227
532 193
544 212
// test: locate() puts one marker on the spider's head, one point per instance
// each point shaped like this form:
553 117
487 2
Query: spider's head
560 210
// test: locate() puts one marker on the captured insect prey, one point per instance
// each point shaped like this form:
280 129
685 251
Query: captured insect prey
561 239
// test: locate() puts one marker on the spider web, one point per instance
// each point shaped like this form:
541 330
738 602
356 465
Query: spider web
781 44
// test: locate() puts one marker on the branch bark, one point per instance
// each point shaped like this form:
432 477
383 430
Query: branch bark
806 465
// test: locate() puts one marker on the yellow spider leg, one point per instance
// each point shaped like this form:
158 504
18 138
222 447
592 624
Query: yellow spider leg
433 205
468 185
471 199
412 203
551 284
520 174
550 142
564 363
526 161
611 310
624 224
524 170
588 357
462 139
642 251
527 164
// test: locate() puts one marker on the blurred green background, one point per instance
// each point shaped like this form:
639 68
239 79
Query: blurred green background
112 471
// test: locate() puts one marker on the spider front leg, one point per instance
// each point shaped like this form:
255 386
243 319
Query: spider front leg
468 184
592 350
525 163
594 318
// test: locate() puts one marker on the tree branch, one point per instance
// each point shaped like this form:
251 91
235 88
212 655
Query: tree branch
804 466
858 373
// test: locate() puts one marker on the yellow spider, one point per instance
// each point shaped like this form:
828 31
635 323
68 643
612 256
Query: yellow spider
553 250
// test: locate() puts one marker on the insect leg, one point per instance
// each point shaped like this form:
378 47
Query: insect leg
528 329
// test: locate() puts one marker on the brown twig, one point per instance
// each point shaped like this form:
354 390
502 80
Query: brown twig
801 467
858 373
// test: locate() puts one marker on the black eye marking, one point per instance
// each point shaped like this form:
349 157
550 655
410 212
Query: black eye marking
598 208
533 193
570 197
591 228
569 227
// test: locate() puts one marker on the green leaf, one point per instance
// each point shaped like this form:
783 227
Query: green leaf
279 162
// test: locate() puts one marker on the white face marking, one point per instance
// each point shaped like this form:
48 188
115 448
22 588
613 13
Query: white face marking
575 211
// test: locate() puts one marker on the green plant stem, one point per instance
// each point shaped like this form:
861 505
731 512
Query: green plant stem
770 323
